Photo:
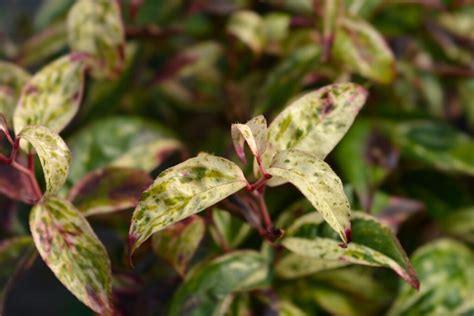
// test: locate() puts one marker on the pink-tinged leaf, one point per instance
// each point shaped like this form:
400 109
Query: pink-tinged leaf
109 190
254 133
70 248
16 185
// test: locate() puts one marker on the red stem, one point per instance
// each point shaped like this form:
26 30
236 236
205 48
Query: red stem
259 194
31 176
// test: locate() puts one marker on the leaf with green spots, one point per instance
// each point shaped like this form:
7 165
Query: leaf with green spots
247 27
254 133
435 144
53 153
319 184
177 243
228 229
373 244
291 266
109 190
95 27
361 48
16 255
445 268
315 122
52 96
207 287
12 80
182 191
122 142
70 248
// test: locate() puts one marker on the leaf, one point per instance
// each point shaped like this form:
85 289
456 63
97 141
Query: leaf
206 288
247 27
109 190
70 248
53 153
292 266
254 133
331 13
360 47
122 142
373 244
182 191
15 256
16 185
315 122
435 144
52 96
319 184
445 270
460 223
459 23
7 106
12 80
177 243
232 230
95 28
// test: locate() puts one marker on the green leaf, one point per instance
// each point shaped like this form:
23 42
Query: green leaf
228 229
122 142
70 248
360 47
12 80
53 153
247 27
109 190
445 268
315 122
373 244
319 184
292 266
206 288
95 28
177 243
460 223
16 255
254 133
52 96
435 144
182 191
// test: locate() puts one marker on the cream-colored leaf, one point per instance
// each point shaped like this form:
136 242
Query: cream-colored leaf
53 153
12 80
315 122
70 248
319 184
182 191
96 28
53 95
254 133
247 27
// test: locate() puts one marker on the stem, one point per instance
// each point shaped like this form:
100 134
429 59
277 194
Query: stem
31 176
31 162
260 183
14 151
263 208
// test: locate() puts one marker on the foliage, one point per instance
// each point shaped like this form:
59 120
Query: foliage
367 157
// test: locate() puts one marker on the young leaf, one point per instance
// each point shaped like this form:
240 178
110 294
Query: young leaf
315 122
16 254
12 80
177 243
95 28
446 272
361 48
53 154
181 191
122 142
254 133
373 244
52 96
70 248
206 288
319 184
109 190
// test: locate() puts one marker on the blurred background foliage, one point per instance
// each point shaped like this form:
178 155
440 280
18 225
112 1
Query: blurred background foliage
194 67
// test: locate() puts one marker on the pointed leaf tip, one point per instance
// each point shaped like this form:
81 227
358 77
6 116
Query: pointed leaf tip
131 248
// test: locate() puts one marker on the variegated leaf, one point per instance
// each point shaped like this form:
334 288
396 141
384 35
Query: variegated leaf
16 254
361 48
181 191
292 266
373 244
315 122
319 184
53 153
95 28
206 288
70 248
254 133
247 27
109 190
12 80
331 14
53 95
177 243
227 229
446 272
129 142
